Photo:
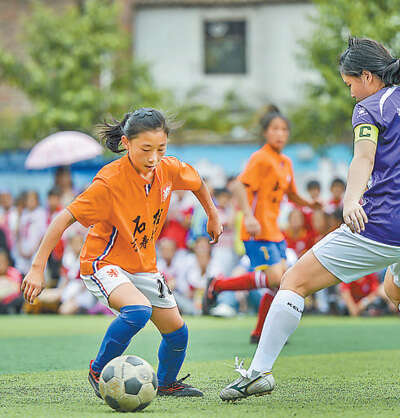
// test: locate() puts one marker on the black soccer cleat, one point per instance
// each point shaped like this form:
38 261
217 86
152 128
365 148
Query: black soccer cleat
94 378
179 389
209 297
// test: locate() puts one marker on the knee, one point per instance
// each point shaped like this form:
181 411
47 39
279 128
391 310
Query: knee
392 292
293 281
136 315
178 339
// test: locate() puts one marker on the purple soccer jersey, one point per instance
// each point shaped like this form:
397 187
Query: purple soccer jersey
381 201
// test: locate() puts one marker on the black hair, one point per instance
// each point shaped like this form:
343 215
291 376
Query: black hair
62 169
4 250
21 198
367 54
338 181
271 113
131 125
313 184
54 191
221 190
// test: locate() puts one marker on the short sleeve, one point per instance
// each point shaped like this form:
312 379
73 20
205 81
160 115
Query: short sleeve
93 205
251 175
364 125
362 116
185 177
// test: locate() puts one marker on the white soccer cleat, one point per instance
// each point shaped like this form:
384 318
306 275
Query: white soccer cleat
257 384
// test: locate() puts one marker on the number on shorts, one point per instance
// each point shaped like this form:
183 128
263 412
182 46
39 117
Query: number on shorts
162 286
161 293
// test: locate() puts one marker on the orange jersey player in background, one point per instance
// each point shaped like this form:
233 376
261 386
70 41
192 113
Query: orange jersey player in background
259 189
125 208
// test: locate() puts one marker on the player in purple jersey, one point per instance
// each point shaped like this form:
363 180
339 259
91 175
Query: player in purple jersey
369 240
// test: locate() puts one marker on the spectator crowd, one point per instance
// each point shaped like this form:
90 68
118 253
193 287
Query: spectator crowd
185 256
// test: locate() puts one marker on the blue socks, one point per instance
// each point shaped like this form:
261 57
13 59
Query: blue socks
171 354
130 321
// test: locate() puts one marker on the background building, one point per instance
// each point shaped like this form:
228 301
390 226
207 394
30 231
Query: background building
246 46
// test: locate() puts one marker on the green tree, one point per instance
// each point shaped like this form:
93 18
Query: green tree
324 116
77 69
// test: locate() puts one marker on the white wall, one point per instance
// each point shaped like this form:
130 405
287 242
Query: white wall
171 41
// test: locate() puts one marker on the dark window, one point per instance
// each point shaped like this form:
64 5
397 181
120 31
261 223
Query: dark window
225 47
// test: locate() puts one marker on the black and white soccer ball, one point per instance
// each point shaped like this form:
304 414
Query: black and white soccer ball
128 383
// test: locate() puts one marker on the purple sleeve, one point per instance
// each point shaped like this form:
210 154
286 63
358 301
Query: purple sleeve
361 115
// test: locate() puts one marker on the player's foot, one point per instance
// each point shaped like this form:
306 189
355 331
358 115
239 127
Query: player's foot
94 380
257 384
179 389
209 297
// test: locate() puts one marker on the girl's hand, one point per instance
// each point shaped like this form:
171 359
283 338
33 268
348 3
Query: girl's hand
252 225
354 217
214 228
32 285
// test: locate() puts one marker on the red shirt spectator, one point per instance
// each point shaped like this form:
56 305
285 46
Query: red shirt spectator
10 280
296 235
178 220
362 287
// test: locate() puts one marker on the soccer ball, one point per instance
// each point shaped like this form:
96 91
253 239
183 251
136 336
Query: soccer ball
128 383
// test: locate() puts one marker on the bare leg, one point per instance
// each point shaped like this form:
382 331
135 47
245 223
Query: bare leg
307 276
392 291
127 294
304 278
166 320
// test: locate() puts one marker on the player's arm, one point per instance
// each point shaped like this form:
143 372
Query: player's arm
294 196
298 200
214 226
33 282
250 222
362 164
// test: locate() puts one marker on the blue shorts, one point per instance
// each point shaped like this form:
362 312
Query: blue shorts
265 253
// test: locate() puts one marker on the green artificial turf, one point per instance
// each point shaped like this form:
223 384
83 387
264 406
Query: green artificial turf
332 367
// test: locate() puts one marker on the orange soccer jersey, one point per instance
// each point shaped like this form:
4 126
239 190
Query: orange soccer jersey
124 220
268 176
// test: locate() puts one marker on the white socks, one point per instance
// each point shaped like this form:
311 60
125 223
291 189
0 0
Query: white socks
283 317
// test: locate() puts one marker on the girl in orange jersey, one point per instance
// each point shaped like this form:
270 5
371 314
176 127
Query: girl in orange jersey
125 208
260 188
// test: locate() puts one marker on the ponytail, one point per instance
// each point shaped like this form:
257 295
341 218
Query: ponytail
110 133
271 112
391 74
133 124
367 54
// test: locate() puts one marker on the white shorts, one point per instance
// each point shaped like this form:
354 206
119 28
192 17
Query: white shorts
152 285
349 256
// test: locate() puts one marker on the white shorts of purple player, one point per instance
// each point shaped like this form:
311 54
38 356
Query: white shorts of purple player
152 285
350 256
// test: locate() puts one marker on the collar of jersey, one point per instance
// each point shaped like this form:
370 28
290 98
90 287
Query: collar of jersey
136 176
268 149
